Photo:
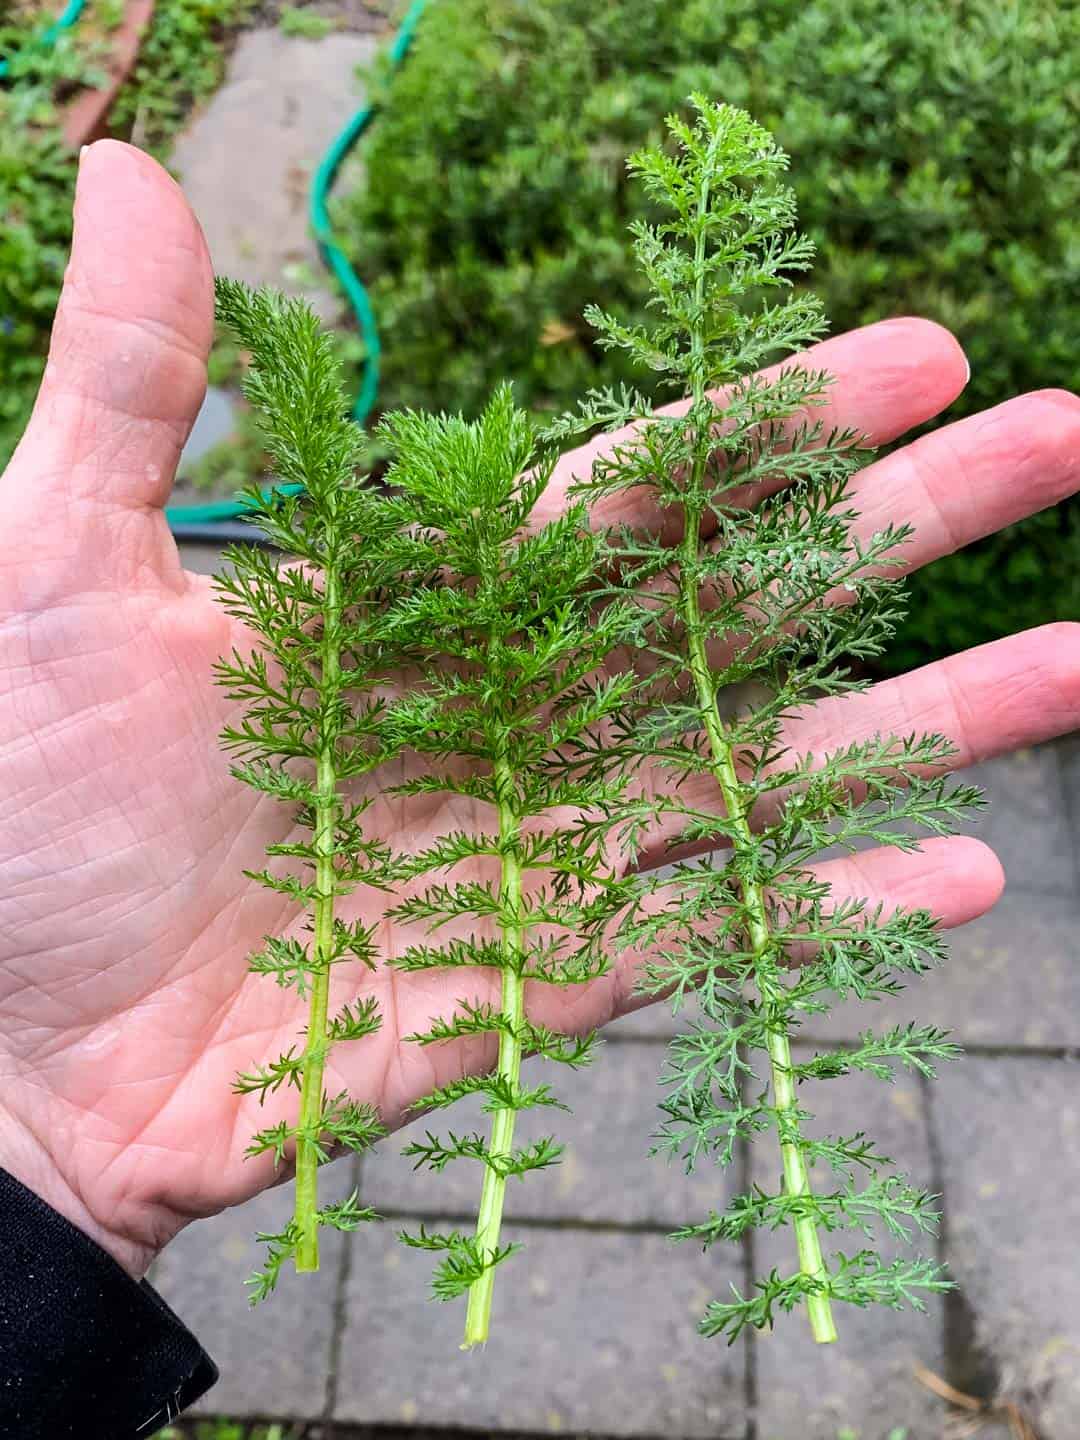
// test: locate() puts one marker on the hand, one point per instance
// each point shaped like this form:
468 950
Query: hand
125 919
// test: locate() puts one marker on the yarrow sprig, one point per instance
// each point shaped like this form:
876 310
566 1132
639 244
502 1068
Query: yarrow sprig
505 711
774 582
310 729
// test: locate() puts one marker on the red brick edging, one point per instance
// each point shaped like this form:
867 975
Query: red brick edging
85 117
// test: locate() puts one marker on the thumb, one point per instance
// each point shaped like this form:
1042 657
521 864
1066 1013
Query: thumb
127 365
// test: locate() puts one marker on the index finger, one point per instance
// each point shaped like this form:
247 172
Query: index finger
887 378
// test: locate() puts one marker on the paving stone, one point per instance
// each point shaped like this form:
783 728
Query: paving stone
247 160
592 1333
606 1173
1068 753
264 1371
865 1381
202 557
1012 978
1009 1135
1025 822
214 423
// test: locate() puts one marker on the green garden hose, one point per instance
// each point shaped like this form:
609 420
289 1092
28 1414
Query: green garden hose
321 186
217 520
49 37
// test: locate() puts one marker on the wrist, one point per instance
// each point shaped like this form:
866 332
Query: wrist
28 1160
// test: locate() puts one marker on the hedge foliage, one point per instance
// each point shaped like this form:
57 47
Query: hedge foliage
37 180
181 60
936 155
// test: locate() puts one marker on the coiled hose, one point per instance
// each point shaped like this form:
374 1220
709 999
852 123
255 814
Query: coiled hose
223 519
49 37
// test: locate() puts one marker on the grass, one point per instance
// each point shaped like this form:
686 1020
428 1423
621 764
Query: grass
182 61
305 23
229 1430
224 1429
847 1433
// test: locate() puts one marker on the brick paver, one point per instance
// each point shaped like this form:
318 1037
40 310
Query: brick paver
593 1332
275 1358
1026 824
1008 1131
606 1175
286 98
1011 979
806 1391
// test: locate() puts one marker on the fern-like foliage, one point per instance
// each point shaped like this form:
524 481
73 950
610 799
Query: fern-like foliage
309 727
773 582
505 717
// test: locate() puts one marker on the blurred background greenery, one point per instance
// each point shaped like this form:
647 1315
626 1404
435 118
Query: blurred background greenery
934 152
181 61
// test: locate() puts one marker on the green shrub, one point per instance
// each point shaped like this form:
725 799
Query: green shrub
181 61
37 182
935 155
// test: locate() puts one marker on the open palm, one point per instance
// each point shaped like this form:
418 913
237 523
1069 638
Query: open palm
125 919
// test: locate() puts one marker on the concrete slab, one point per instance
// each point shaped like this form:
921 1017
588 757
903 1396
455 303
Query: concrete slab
593 1333
653 1022
1011 978
214 423
247 160
1028 828
864 1382
1026 823
1009 1136
606 1174
203 558
264 1370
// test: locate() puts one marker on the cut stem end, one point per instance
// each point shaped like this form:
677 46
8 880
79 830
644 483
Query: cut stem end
478 1310
822 1324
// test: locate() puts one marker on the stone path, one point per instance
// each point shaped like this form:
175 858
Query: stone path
595 1321
247 160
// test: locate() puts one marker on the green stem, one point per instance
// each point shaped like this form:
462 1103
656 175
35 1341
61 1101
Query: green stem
314 1057
501 1144
796 1178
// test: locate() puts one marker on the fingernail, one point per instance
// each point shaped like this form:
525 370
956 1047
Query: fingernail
967 367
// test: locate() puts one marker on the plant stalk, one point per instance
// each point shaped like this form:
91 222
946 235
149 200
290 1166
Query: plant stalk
314 1058
796 1177
493 1194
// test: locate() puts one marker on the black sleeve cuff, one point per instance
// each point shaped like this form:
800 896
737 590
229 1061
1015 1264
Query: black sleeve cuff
85 1350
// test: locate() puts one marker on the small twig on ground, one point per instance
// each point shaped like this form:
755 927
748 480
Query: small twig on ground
977 1413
